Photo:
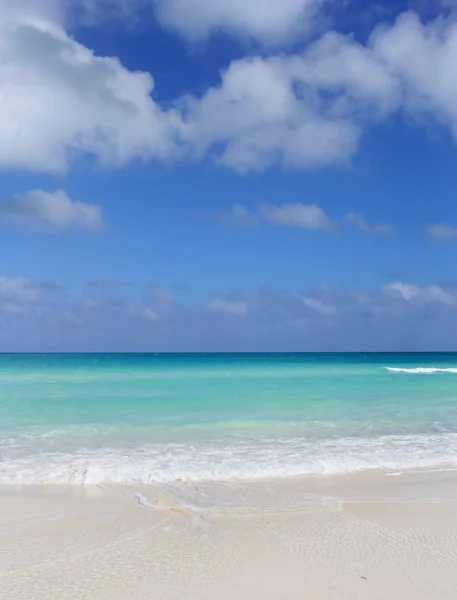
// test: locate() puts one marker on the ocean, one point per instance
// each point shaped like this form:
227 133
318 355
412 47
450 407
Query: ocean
148 418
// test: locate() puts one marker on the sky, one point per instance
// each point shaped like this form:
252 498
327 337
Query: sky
228 175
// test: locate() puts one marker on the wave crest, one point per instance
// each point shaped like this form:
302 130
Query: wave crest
256 459
422 370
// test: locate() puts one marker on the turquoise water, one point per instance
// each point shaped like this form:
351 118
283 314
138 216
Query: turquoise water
146 418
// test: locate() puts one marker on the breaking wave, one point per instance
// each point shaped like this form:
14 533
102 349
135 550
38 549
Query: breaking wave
250 460
422 370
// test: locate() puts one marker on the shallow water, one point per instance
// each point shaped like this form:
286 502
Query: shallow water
115 418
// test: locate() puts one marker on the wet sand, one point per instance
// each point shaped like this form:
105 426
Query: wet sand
362 536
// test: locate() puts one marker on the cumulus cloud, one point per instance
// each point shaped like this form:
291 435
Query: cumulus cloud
59 101
422 57
310 109
259 115
42 210
236 308
269 21
305 110
359 222
93 12
33 11
306 216
441 233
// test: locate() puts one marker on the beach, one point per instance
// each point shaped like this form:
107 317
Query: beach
228 317
355 536
228 476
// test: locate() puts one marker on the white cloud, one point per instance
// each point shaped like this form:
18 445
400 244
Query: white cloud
32 11
115 300
304 111
310 109
321 307
259 118
38 209
400 316
94 12
265 20
404 290
355 80
58 101
17 294
18 289
306 216
436 294
423 58
442 233
237 308
426 294
359 222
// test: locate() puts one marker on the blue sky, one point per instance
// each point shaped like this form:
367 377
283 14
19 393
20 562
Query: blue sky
235 175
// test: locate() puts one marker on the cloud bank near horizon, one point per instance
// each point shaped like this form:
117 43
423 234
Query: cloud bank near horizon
109 316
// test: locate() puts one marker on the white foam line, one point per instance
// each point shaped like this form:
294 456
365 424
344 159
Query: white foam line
422 370
252 460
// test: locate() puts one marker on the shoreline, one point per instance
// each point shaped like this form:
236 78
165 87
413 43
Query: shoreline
346 536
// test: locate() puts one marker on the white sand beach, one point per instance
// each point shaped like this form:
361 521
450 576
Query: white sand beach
362 536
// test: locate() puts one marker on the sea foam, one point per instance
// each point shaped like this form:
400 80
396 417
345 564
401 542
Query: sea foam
422 370
256 459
